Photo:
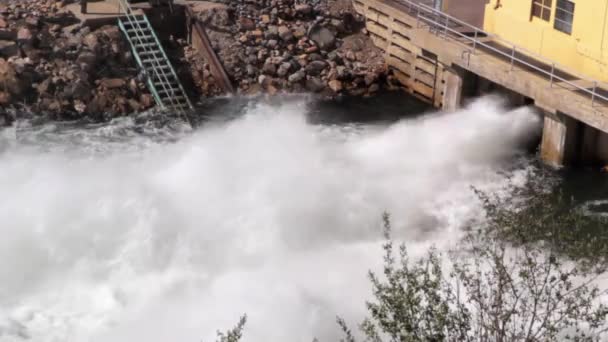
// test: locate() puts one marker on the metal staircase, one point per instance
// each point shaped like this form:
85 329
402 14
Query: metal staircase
159 74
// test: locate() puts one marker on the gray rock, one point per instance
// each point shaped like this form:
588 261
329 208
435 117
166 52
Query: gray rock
284 69
272 32
8 34
8 48
315 68
272 43
297 77
334 57
285 33
87 60
315 57
269 68
263 80
251 70
314 84
341 72
323 37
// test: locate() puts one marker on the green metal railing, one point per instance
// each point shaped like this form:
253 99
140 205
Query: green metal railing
161 77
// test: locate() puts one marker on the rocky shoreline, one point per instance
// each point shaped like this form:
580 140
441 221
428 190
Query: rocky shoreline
53 66
275 46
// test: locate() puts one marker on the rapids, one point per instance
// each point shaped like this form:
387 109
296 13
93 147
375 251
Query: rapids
112 233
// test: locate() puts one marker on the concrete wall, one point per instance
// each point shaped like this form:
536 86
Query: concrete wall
470 11
585 50
423 60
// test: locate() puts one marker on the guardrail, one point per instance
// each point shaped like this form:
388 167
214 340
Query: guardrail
439 22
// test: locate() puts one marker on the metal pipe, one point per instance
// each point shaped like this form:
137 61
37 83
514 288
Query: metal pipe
475 40
593 94
512 57
552 73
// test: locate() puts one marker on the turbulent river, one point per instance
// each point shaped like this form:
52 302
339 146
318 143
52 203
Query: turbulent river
122 232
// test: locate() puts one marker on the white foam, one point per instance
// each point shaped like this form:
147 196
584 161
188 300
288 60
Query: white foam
265 215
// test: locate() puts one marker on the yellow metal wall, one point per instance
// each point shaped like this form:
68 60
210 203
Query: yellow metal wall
585 50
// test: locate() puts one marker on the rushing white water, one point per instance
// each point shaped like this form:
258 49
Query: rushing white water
109 236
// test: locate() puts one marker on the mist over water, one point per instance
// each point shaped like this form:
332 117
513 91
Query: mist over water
112 235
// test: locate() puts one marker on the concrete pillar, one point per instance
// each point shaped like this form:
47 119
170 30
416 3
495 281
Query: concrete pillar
594 146
560 140
83 6
452 90
589 144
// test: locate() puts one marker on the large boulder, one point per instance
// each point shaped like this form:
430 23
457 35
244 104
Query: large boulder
324 38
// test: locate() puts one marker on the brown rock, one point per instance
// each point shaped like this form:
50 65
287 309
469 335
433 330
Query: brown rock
272 90
135 106
265 18
24 34
3 23
91 41
303 8
113 83
246 24
311 49
8 78
256 33
335 86
146 100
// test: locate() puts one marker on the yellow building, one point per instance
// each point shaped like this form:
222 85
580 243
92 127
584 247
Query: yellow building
573 33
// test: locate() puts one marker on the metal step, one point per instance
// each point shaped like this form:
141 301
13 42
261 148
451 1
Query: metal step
150 52
144 45
141 23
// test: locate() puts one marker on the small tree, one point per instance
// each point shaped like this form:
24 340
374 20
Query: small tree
495 291
234 334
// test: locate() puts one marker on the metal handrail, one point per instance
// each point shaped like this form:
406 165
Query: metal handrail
134 22
427 14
